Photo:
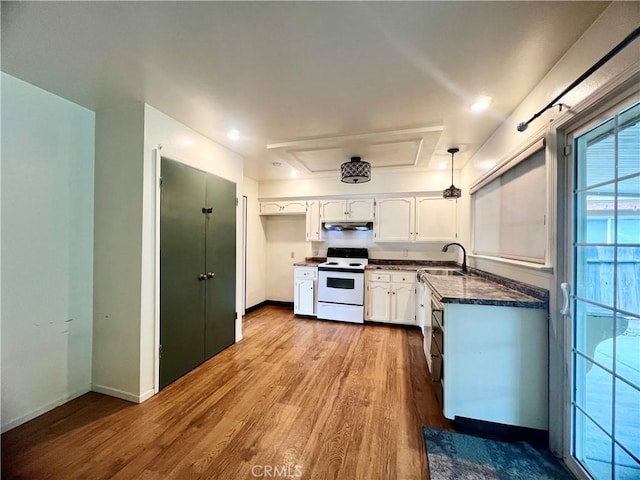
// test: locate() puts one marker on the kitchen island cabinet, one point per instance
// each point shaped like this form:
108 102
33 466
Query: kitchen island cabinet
488 352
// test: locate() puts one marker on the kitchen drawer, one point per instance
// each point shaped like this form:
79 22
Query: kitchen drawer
436 367
305 272
439 391
403 277
379 277
437 345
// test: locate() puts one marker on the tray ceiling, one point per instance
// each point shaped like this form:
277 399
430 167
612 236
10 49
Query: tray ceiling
393 150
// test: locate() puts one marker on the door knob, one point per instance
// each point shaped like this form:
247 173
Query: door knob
202 276
210 274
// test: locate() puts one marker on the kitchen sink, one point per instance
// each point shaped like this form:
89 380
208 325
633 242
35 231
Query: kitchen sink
445 272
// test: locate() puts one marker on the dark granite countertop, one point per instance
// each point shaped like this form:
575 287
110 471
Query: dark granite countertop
479 288
476 290
310 262
375 264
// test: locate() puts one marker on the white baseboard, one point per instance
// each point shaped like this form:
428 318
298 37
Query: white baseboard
44 409
114 392
147 395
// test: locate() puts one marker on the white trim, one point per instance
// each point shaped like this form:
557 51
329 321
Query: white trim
359 136
146 395
44 409
602 100
523 152
114 392
373 196
520 263
617 95
157 175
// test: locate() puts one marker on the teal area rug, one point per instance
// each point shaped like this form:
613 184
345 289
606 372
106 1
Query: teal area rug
456 456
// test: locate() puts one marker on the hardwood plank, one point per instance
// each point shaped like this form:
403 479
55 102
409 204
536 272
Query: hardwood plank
297 398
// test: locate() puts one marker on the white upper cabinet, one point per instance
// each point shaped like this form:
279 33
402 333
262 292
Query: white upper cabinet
283 208
353 210
333 210
436 219
394 219
360 210
313 221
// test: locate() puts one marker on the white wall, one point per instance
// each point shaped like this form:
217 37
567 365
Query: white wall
126 319
256 246
286 245
379 250
118 251
47 250
381 183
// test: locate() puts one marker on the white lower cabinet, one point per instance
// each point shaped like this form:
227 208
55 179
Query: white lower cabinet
390 297
305 291
403 303
378 301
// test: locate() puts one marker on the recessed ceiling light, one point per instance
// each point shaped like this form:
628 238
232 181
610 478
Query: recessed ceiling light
233 134
294 174
276 164
481 104
443 165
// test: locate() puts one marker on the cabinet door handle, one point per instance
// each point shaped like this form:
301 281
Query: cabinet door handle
202 276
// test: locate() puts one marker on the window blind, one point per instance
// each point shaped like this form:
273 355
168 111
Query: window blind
510 212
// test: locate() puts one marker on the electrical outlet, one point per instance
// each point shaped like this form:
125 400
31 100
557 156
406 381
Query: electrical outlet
293 255
405 252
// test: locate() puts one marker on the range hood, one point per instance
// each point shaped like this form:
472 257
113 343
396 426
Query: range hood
340 226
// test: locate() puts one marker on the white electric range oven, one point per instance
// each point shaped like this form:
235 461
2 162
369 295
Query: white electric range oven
341 285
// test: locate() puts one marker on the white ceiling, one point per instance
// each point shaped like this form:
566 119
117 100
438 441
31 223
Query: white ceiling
284 72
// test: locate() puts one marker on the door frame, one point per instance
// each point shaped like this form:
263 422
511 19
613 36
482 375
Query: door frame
587 114
157 154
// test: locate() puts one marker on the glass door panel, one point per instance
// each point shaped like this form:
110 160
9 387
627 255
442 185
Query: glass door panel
605 348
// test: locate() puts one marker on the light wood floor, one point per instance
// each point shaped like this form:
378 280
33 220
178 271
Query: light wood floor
314 399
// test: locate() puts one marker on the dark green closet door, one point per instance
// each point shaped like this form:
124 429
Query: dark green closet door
221 261
182 250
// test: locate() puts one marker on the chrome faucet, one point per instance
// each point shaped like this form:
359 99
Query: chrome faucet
464 254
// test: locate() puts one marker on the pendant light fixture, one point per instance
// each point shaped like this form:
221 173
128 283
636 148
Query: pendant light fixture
355 171
452 191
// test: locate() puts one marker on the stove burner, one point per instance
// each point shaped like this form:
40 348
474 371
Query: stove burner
355 264
331 263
